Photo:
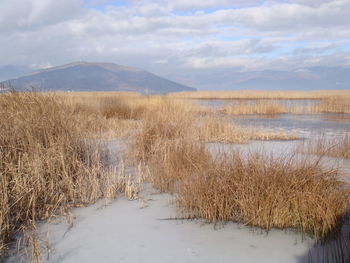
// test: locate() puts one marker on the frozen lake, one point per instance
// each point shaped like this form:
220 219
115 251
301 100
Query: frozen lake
145 230
127 231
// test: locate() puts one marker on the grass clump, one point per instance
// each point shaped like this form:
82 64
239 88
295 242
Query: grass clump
46 163
265 192
224 130
254 107
120 108
260 94
333 104
338 146
256 190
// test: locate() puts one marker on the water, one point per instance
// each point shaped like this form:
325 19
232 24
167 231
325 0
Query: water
305 125
287 103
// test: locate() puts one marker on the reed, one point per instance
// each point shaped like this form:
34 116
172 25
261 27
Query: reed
333 104
47 165
257 190
260 94
171 121
224 130
338 146
254 107
265 192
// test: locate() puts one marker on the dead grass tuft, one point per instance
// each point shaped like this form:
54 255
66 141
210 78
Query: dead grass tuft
254 107
333 104
336 147
265 192
46 164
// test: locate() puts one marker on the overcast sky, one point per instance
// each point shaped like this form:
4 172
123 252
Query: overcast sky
175 37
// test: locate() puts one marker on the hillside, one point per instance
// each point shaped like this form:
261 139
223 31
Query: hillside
83 76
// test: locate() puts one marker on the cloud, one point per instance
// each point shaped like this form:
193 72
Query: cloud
25 15
177 36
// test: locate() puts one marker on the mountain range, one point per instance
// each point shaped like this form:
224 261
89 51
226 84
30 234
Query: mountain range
308 78
84 76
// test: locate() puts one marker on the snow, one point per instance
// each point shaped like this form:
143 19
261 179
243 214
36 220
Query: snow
127 231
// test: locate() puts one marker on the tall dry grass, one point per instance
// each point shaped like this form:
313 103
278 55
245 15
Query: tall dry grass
46 164
224 130
333 104
338 146
260 94
254 107
266 192
257 190
172 121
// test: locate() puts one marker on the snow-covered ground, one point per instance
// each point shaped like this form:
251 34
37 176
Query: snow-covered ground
144 231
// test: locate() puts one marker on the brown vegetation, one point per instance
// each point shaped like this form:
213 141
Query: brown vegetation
52 159
255 190
46 163
254 107
333 104
266 192
260 94
338 146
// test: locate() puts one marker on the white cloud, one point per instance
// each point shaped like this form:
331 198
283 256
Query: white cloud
24 15
166 36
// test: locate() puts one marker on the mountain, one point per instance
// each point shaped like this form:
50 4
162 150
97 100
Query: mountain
314 78
309 78
10 71
84 76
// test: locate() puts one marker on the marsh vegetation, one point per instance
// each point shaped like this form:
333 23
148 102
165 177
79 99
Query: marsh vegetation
54 156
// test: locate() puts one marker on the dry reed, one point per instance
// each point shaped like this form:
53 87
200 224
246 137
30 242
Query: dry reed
260 94
46 165
266 192
224 130
255 190
254 107
338 146
333 104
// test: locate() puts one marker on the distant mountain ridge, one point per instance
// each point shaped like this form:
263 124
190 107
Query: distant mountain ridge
308 78
85 76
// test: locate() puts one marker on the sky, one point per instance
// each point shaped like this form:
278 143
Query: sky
177 38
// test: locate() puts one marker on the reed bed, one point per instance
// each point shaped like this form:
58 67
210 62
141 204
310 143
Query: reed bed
256 190
260 94
172 121
333 104
224 130
338 146
53 158
47 165
254 107
265 192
